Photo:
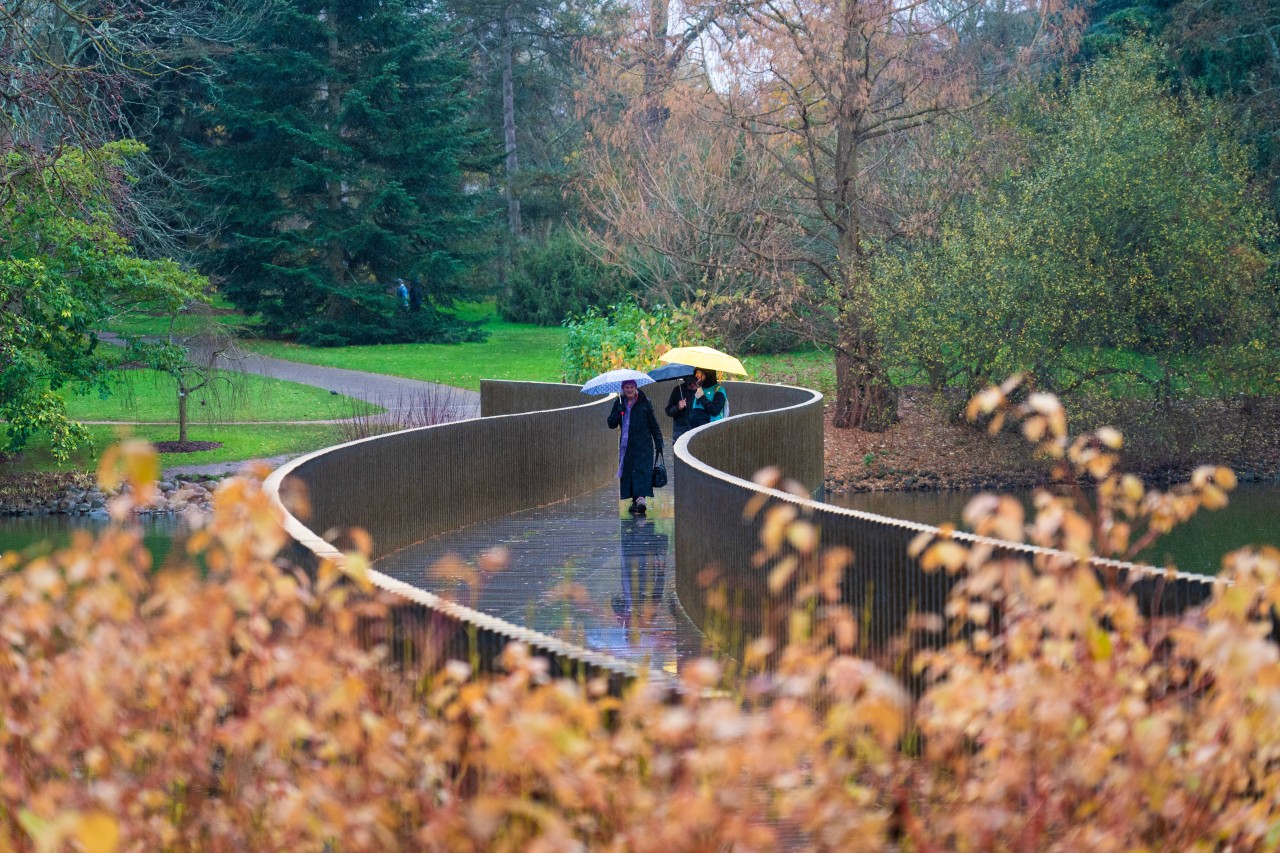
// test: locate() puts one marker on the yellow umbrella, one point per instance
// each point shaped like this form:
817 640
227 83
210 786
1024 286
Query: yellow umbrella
704 357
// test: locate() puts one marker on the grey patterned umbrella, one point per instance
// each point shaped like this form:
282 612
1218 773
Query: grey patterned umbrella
610 382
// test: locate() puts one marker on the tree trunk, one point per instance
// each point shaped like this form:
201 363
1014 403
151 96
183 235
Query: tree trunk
333 248
509 122
865 399
655 69
182 413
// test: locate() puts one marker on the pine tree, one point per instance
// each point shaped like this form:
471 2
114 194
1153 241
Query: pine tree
339 152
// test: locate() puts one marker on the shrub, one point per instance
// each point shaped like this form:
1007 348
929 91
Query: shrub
224 702
1127 254
557 278
626 336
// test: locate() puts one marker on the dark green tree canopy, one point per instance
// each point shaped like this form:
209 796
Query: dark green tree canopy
340 151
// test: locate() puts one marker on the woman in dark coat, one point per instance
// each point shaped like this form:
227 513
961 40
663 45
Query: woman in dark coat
680 406
640 442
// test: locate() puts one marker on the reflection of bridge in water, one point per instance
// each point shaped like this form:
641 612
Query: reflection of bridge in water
536 475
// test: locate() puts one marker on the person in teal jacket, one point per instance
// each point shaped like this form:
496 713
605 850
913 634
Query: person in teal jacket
710 403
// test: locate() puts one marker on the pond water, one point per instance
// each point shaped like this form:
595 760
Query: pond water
1252 518
38 534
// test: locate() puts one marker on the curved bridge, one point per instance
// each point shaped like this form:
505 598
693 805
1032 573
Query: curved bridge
592 591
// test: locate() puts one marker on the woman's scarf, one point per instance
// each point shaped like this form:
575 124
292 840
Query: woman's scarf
626 431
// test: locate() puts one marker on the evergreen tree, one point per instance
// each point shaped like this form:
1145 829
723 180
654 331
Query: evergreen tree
339 152
528 71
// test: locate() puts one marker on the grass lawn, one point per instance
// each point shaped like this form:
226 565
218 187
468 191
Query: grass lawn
511 351
517 351
522 351
148 395
805 368
151 321
238 442
1193 375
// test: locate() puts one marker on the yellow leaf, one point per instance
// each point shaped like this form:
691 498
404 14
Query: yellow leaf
919 542
1100 465
1099 643
984 403
950 555
1213 498
108 472
1133 488
980 613
141 464
98 833
356 567
768 477
361 541
781 573
1110 437
1119 538
803 536
798 626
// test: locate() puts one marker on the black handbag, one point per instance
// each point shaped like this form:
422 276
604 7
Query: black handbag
659 471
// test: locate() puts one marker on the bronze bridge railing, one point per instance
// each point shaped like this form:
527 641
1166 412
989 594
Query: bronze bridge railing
537 443
883 584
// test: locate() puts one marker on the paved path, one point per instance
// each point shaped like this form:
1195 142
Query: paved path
583 570
408 402
394 393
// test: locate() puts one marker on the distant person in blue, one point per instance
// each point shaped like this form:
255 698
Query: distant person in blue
638 444
710 403
402 293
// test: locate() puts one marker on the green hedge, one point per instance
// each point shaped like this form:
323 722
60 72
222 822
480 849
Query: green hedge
559 277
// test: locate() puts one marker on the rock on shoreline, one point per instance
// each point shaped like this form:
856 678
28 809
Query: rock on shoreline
78 499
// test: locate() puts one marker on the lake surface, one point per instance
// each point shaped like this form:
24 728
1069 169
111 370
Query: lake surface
38 534
1252 518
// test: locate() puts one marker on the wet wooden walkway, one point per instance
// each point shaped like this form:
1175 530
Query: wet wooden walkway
583 570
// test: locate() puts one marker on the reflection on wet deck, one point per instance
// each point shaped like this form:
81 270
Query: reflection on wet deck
583 570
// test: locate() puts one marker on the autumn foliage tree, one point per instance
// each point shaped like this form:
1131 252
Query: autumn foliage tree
826 114
682 213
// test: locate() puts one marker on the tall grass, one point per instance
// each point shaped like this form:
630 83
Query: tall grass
437 404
